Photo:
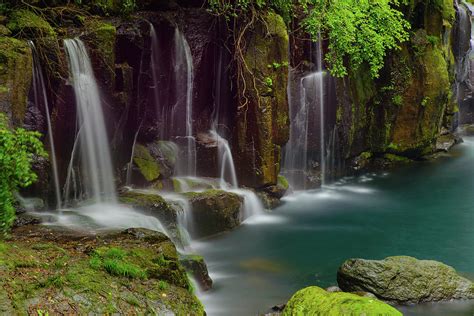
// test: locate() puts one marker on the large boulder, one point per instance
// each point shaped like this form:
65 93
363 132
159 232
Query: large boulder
316 301
215 211
404 280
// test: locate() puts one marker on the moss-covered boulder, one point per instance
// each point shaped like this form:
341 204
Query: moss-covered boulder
262 119
15 78
150 203
404 280
153 161
316 301
196 265
214 211
133 272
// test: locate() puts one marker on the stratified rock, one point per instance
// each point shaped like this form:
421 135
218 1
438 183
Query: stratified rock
198 268
316 301
404 280
214 211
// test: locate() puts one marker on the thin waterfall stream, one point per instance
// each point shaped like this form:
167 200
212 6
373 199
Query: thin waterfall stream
39 90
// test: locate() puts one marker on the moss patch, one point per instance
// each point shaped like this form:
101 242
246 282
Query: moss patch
316 301
125 273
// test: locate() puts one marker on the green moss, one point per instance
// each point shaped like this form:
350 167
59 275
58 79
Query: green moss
283 182
15 76
147 165
27 21
395 158
316 301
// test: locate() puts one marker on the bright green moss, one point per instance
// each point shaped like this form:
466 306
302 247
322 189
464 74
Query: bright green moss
28 21
316 301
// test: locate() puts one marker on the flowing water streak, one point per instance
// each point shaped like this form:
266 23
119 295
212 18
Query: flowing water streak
184 60
130 163
320 92
39 90
94 145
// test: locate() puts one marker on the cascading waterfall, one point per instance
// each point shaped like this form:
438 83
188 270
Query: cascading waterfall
40 97
184 66
306 101
98 179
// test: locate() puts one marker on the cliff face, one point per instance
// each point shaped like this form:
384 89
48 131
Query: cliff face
405 110
402 112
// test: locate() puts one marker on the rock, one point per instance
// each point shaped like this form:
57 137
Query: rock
447 141
333 289
155 160
198 268
184 184
151 204
404 280
146 235
15 78
26 219
214 211
316 301
262 120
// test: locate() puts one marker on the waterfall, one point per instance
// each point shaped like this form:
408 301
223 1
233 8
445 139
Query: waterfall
98 179
39 93
184 70
130 163
306 98
322 122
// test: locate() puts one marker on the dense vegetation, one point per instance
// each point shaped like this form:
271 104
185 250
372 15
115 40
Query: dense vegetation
17 149
357 31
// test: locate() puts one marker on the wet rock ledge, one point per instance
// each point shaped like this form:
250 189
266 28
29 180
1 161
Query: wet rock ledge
131 272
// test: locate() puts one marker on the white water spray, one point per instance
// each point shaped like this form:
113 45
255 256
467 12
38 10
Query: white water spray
98 179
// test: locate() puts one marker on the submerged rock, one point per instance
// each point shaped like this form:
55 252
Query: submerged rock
404 280
316 301
198 268
214 211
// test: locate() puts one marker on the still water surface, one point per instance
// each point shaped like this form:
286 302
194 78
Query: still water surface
425 210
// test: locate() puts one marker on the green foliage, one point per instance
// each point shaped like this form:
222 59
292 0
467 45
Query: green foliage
17 149
359 31
233 9
114 261
397 100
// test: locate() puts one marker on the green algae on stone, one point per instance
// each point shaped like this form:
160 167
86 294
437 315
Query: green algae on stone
263 118
147 165
15 78
316 301
25 21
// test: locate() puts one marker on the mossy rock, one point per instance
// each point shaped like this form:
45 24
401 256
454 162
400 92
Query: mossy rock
114 273
148 166
100 36
316 301
404 280
151 204
214 211
15 78
25 22
263 123
196 265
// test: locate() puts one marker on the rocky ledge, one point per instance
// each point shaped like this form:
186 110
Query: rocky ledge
133 272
